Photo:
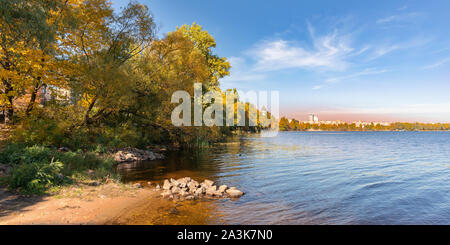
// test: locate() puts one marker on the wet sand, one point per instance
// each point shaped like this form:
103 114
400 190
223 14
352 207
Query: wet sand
73 205
111 203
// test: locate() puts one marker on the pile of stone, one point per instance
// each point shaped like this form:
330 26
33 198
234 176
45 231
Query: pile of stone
189 189
132 155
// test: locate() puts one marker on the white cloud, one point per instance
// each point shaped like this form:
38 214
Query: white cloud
365 72
333 51
437 64
399 18
281 54
361 50
326 52
384 49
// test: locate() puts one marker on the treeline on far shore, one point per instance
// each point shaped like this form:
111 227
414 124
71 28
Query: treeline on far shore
294 125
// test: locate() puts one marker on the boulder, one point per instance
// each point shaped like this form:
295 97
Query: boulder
189 189
159 156
211 190
192 185
173 182
132 154
184 180
148 155
175 190
208 183
167 185
218 194
184 193
200 191
189 197
166 194
222 188
234 193
130 157
118 156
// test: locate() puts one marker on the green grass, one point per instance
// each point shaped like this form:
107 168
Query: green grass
38 169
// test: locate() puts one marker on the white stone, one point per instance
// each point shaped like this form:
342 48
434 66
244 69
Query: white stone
234 193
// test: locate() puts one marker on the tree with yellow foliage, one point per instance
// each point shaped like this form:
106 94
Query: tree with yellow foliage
27 47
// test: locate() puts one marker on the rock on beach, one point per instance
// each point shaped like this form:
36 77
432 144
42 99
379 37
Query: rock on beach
189 189
132 154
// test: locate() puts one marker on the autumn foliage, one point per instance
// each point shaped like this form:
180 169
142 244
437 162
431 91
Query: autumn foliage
75 73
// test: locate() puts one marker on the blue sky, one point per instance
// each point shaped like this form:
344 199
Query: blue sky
348 60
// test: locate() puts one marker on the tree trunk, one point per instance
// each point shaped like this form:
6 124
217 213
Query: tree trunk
87 118
33 98
9 110
9 113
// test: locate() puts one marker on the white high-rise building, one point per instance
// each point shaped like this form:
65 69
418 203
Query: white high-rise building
313 118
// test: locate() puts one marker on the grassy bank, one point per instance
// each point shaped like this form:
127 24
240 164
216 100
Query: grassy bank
40 169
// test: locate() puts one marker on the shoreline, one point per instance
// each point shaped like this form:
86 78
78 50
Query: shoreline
92 201
112 203
75 204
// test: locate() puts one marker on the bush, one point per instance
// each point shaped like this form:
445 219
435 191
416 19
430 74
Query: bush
36 177
37 168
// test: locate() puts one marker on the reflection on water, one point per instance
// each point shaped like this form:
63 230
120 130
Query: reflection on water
167 212
318 178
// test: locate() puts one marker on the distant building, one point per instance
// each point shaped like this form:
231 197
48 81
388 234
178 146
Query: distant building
313 118
45 94
360 124
54 93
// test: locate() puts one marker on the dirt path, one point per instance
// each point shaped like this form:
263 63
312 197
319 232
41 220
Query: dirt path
74 205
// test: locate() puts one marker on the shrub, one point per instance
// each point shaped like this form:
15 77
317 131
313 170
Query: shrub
36 177
38 168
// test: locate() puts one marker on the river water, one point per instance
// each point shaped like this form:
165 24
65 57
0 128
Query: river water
320 177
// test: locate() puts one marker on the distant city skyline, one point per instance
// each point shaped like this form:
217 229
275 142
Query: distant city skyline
303 115
354 118
348 60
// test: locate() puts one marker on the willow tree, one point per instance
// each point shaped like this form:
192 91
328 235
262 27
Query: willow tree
176 62
100 49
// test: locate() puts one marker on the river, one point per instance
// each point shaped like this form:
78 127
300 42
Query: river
320 177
